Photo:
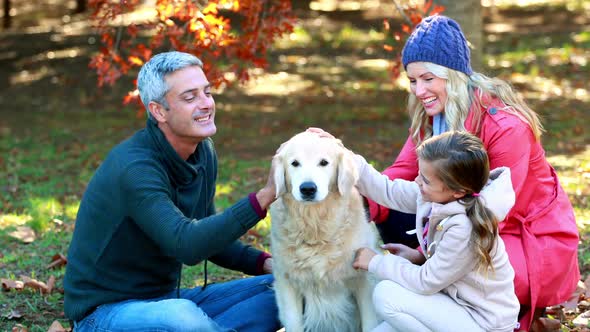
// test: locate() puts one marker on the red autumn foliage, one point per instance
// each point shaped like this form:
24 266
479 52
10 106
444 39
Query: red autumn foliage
197 27
396 39
200 27
27 282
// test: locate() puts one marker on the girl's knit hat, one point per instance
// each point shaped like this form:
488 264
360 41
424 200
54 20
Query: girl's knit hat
438 39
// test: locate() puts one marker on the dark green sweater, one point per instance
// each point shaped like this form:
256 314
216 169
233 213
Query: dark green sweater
146 212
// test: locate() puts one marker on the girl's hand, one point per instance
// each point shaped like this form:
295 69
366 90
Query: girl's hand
320 132
406 252
362 258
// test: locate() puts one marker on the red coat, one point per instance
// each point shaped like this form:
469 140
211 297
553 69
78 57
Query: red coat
540 231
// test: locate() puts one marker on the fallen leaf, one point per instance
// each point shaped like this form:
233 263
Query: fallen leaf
572 303
559 312
546 325
58 260
56 327
35 284
50 284
8 284
14 314
19 328
23 233
582 319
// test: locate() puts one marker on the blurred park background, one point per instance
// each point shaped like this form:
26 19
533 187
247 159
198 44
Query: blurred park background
56 124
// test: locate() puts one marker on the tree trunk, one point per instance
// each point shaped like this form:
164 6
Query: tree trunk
6 23
468 14
80 6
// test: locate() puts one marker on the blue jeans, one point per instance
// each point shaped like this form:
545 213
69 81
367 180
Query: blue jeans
240 305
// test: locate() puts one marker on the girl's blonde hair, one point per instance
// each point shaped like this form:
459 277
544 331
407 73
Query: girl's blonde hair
462 165
462 92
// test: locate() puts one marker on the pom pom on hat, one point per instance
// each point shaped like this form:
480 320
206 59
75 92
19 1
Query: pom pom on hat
438 39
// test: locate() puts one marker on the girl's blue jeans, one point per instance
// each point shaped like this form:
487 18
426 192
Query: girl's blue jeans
242 305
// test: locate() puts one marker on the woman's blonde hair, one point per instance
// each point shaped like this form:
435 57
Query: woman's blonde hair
462 92
462 164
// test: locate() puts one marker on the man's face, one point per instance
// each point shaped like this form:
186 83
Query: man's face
191 111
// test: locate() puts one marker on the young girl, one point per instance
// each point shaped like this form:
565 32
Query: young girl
463 280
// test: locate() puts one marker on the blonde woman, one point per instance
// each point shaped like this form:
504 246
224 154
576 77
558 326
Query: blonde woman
447 95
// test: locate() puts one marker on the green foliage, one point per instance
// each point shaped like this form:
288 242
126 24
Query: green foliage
43 211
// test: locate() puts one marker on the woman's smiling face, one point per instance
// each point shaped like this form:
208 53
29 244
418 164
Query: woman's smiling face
427 87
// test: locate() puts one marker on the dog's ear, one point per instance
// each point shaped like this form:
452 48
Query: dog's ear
347 172
278 175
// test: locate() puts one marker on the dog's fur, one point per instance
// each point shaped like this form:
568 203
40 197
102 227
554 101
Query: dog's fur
314 236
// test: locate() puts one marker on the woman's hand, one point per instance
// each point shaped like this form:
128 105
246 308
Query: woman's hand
320 132
406 252
362 258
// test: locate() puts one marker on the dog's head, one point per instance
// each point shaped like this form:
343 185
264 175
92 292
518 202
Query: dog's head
309 167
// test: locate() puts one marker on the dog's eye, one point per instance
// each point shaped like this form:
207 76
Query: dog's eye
295 163
324 162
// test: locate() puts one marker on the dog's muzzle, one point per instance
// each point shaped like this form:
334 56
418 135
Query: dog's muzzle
308 190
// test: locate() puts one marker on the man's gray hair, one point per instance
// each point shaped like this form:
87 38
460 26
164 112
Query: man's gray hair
151 78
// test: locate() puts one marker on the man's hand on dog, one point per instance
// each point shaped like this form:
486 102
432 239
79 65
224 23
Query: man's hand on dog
267 266
267 195
362 258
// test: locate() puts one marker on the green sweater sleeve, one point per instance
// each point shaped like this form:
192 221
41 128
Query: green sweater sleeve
190 241
240 257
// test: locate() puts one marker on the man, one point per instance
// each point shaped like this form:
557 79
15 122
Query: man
149 209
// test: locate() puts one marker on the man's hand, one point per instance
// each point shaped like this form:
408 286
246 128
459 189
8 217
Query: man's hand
406 252
362 258
267 266
267 195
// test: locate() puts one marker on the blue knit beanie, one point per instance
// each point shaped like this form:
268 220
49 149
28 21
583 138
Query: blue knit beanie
438 39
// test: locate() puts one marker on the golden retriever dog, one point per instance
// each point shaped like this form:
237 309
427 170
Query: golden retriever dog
318 222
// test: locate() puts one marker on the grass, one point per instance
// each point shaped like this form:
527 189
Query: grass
60 128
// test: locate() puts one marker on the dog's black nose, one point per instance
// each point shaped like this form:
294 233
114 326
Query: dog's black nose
308 189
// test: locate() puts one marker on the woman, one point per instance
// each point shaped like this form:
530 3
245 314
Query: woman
540 232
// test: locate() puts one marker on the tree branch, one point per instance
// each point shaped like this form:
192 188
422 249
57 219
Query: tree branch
401 11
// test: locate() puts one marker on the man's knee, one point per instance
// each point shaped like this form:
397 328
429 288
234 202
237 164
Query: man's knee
185 316
265 288
266 279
